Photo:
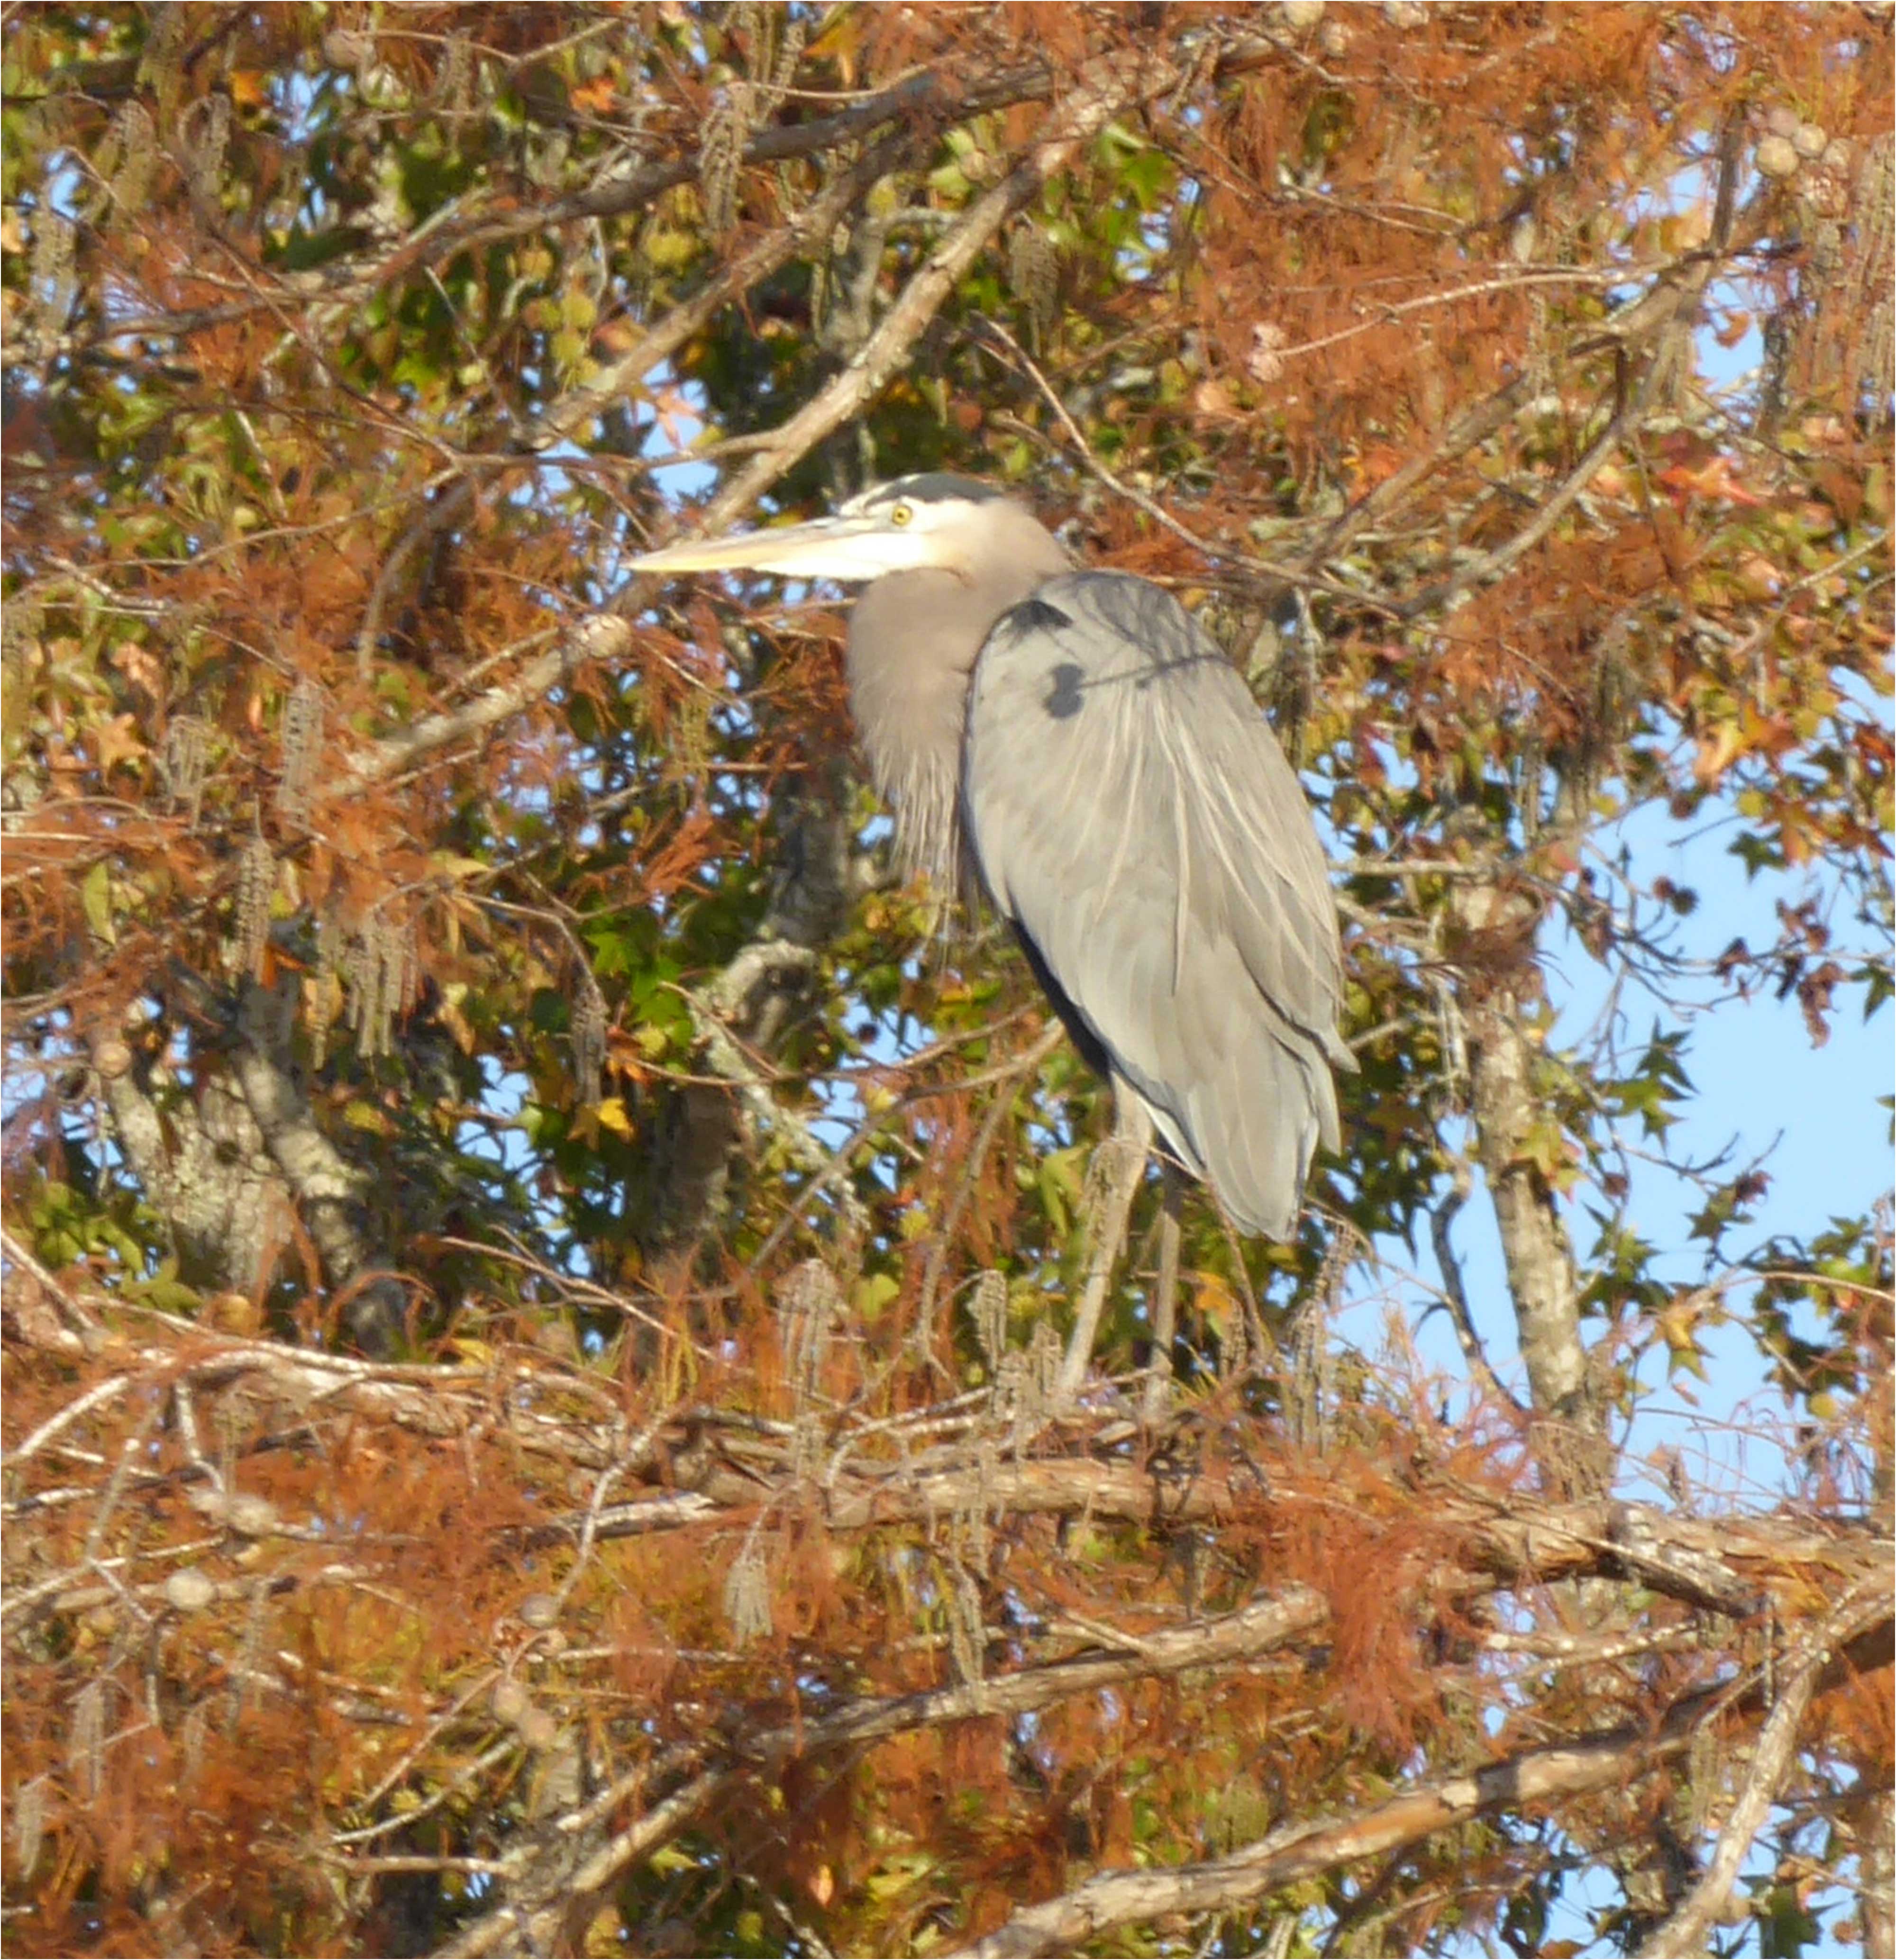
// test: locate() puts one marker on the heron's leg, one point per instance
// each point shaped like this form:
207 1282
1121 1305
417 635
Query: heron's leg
1159 1375
1125 1149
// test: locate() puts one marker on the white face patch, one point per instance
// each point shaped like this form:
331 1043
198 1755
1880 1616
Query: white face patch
921 531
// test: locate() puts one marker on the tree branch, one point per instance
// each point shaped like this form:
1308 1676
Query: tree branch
1454 1290
1256 1630
1213 554
602 637
1084 114
205 1161
1305 1850
562 418
920 101
1685 1932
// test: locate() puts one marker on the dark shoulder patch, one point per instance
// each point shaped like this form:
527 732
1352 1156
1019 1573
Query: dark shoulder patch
1035 615
1138 614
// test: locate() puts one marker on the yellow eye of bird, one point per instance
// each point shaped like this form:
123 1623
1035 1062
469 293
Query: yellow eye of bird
901 513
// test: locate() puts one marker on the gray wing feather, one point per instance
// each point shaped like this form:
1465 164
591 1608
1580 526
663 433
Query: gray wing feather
1132 813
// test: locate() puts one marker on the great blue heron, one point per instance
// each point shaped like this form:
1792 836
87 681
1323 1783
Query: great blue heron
1080 741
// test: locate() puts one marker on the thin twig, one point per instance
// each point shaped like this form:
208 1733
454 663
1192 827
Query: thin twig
1049 1039
1300 575
1084 113
1254 1631
1454 1291
100 1393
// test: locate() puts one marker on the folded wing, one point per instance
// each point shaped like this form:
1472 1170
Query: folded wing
1135 818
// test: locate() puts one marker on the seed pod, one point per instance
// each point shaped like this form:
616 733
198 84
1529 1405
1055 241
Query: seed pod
189 1590
112 1058
1776 158
55 285
30 1824
184 763
351 50
746 1593
988 1308
302 751
137 159
720 154
588 1036
250 1516
256 886
206 132
1033 271
85 1739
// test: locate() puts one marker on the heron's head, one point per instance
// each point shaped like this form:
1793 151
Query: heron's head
933 522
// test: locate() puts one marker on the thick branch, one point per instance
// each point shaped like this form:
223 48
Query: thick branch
599 638
1685 1932
1245 1635
1876 1863
1713 1564
1702 1563
206 1166
1305 1850
1257 1629
1534 1244
1084 114
325 1188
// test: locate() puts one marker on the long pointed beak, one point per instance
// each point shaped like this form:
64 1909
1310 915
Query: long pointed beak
833 548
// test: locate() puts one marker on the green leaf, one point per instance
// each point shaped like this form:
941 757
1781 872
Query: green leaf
872 1295
95 900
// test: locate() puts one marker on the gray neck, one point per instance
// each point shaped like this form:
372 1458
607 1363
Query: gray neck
914 637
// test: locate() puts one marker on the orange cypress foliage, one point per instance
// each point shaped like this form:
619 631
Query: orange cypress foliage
1350 297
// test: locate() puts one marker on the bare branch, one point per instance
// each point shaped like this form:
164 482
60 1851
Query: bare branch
1215 554
1083 115
1455 1292
1306 1850
1245 1635
1685 1932
600 638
